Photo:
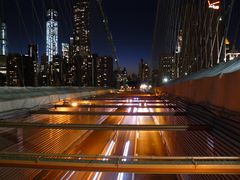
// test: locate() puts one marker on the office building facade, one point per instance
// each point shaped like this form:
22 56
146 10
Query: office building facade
51 34
81 32
3 38
103 71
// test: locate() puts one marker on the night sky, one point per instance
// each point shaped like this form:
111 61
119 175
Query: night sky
131 23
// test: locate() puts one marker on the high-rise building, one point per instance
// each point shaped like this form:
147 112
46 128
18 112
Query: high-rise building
81 31
144 72
82 58
3 38
57 71
28 70
83 74
167 68
3 70
33 51
14 70
33 55
44 71
51 34
20 70
65 51
103 71
71 67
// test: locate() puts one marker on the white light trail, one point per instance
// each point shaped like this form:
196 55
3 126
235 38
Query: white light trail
108 153
109 150
125 153
134 109
129 110
120 176
126 148
97 176
137 135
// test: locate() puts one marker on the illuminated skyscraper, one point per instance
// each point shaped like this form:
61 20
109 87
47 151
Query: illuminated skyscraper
51 34
82 58
103 71
81 28
144 72
3 38
65 51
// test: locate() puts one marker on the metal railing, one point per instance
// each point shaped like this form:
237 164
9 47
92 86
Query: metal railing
149 164
119 127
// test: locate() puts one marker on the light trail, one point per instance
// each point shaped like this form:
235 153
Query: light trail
98 175
126 148
125 153
109 150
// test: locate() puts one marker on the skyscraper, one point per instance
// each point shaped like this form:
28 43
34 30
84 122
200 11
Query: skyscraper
33 51
65 51
144 72
33 56
51 34
167 68
103 71
3 38
82 58
81 31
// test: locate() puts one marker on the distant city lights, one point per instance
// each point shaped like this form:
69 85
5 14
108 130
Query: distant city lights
74 104
165 80
213 4
145 87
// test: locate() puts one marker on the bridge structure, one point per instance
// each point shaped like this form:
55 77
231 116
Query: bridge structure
113 135
186 128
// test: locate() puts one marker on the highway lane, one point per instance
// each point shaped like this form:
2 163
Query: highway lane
117 141
94 142
44 141
120 143
150 143
133 143
142 143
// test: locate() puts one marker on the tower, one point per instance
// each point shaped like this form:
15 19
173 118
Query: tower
51 34
82 58
3 38
81 41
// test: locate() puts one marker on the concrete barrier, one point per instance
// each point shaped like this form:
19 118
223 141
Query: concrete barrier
219 91
20 99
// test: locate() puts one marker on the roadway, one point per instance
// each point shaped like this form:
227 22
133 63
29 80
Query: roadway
73 141
94 142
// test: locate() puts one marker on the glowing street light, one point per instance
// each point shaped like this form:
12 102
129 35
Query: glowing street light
165 80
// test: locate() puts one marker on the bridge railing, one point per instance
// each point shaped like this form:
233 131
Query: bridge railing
150 164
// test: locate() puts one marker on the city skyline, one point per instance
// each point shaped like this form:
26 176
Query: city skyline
126 90
130 48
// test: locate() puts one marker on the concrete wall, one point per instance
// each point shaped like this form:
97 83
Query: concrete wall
20 99
221 91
